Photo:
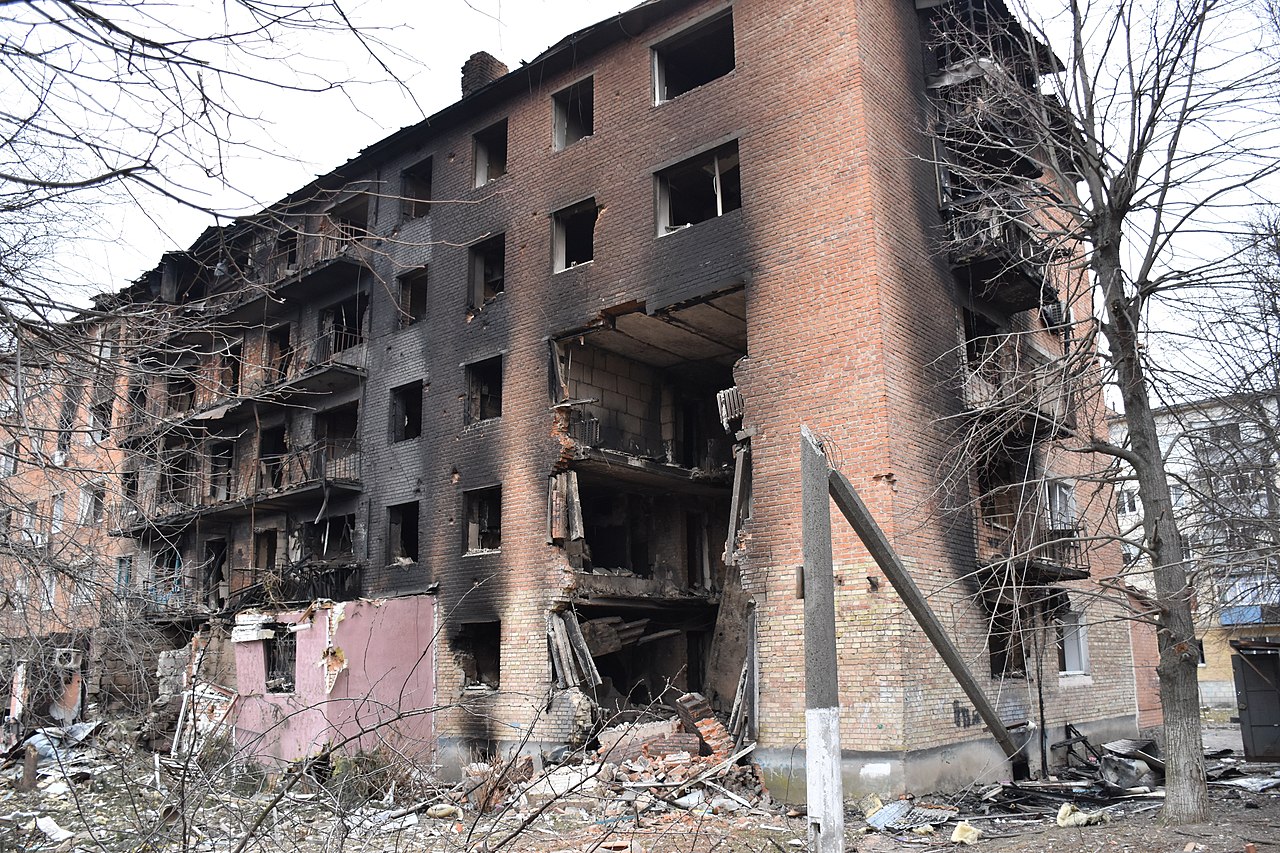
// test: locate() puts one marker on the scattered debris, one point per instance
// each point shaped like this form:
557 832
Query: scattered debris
1070 815
965 833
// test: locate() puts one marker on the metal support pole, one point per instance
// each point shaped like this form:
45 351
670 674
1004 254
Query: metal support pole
857 514
821 688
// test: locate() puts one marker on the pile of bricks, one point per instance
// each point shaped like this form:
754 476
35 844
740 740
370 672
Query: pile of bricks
696 715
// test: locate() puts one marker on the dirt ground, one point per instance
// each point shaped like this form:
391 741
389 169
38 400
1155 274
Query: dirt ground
121 810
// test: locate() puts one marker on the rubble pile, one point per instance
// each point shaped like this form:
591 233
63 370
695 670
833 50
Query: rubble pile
687 762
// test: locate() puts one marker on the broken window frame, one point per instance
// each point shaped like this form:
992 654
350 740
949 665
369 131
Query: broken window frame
280 661
475 636
342 324
676 183
1060 505
351 218
285 252
570 225
489 146
67 415
404 534
1072 639
693 40
482 520
571 122
414 288
487 271
124 574
93 502
406 411
483 403
416 190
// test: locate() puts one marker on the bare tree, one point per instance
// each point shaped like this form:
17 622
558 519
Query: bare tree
1119 159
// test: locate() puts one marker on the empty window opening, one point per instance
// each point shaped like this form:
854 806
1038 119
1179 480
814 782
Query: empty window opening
697 550
478 651
281 660
221 460
100 412
406 411
574 113
488 270
137 398
129 487
272 448
700 188
337 430
1073 645
330 538
177 473
415 190
484 520
264 550
232 363
402 534
279 353
983 346
284 254
1004 481
181 390
694 57
575 231
9 459
213 572
351 217
413 297
342 325
67 414
484 389
491 153
619 529
1006 643
166 574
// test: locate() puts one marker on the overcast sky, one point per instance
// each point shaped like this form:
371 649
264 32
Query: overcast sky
304 135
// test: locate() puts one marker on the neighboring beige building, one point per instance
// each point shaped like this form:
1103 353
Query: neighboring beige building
1221 458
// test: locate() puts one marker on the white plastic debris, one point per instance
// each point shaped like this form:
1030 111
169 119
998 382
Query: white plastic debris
51 830
1069 815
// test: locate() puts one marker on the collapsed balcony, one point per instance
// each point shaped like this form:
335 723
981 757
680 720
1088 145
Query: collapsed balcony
643 386
281 479
1028 524
624 541
1005 378
640 500
321 563
982 117
997 254
629 655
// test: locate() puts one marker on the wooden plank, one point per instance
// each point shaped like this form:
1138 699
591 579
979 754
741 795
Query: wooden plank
660 635
573 507
741 453
579 645
557 666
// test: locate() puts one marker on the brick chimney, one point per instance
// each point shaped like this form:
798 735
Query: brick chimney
479 71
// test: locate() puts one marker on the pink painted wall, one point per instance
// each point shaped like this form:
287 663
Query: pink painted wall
385 694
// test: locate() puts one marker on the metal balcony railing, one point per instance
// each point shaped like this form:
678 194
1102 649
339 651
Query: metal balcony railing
327 461
1007 378
1053 547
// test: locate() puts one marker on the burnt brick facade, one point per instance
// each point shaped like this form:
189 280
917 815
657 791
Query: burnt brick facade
618 316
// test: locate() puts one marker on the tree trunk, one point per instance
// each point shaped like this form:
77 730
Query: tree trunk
1186 796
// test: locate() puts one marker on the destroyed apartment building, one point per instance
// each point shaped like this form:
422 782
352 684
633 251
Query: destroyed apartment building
492 434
